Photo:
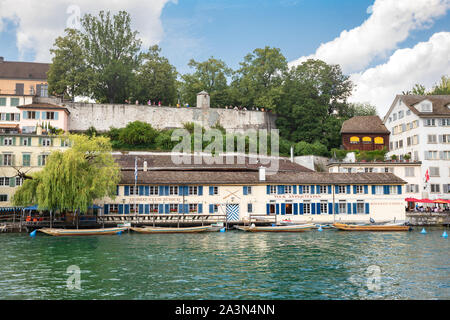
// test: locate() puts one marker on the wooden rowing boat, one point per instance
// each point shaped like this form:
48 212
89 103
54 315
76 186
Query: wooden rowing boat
81 232
385 227
282 228
172 230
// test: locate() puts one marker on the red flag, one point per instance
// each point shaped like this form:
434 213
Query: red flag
427 176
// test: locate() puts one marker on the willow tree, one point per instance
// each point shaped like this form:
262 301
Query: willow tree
72 179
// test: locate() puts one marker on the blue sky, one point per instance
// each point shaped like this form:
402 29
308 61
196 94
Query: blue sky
228 30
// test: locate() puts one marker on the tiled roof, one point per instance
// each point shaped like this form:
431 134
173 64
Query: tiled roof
43 106
440 104
364 124
24 70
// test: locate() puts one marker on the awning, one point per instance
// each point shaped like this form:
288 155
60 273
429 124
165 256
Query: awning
427 200
35 207
94 207
9 209
412 200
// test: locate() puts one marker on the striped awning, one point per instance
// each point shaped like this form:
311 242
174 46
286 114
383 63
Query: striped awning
9 209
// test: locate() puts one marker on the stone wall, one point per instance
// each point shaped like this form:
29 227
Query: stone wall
103 116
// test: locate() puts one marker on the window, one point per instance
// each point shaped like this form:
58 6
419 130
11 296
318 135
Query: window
412 188
49 115
134 190
133 208
349 170
26 159
444 122
445 138
408 112
154 208
379 140
4 181
287 189
446 188
249 207
216 190
342 189
342 206
435 188
153 190
429 122
173 190
193 190
3 197
44 90
409 172
379 190
323 189
249 190
415 139
354 140
14 102
8 141
445 155
7 159
359 206
193 208
113 208
215 208
394 116
46 142
43 159
307 207
359 189
432 138
393 189
426 107
273 189
367 140
408 141
31 114
401 114
434 171
306 189
2 102
65 143
415 124
368 170
173 207
431 155
400 143
323 207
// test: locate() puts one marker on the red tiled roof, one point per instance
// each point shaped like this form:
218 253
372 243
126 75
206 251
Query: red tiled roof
364 124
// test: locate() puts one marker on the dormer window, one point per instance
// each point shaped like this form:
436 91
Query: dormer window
426 106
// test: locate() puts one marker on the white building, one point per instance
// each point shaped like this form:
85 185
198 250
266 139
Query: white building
420 127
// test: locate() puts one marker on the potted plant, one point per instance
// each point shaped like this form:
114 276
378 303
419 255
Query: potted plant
394 158
407 157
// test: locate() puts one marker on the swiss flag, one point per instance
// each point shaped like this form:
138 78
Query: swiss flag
427 176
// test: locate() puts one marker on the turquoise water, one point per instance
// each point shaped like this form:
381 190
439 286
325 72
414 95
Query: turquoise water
231 265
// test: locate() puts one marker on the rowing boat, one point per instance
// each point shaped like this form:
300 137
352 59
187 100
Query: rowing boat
172 230
282 228
385 227
81 232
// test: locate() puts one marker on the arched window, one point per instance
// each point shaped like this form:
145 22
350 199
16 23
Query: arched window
354 139
379 140
367 140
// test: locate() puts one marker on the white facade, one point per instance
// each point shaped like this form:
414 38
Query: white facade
426 138
9 113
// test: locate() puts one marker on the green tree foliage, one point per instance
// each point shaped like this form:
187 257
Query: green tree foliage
211 76
442 87
72 179
258 81
359 109
156 78
138 133
418 89
303 148
66 75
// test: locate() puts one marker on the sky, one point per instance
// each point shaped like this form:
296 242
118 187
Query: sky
385 46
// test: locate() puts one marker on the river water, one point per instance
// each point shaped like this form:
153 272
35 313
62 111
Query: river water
231 265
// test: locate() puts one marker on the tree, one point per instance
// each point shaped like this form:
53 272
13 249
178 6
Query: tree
211 76
156 78
258 82
111 50
359 109
418 89
67 73
138 133
441 88
72 179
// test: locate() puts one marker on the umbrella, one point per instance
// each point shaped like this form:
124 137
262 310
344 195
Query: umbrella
425 201
441 201
412 200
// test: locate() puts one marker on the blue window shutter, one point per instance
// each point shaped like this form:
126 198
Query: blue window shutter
277 206
373 189
127 191
211 208
147 208
318 189
366 189
141 190
354 208
349 208
186 190
294 188
166 190
56 115
200 208
336 189
211 190
141 208
161 208
200 190
120 208
296 208
37 114
180 208
348 189
186 208
127 209
312 189
161 190
330 208
268 189
301 208
300 189
318 208
329 189
44 115
106 209
367 208
283 208
280 189
386 189
399 189
336 208
147 190
117 190
245 191
313 208
166 208
268 208
24 115
354 189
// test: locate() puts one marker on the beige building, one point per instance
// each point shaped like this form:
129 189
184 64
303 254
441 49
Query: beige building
25 153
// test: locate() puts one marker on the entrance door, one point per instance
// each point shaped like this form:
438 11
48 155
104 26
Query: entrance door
232 212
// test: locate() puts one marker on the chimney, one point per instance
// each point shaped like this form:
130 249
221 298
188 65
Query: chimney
145 166
262 173
292 154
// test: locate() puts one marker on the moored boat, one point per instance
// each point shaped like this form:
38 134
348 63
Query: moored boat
280 228
382 227
81 232
172 230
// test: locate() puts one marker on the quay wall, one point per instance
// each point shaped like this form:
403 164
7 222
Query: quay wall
428 219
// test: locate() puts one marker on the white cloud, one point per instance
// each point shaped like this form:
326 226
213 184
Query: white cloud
390 23
40 22
425 63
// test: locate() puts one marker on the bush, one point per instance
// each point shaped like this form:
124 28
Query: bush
138 133
303 148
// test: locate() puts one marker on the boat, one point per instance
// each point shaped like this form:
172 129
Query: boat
81 232
215 227
372 227
277 228
172 230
